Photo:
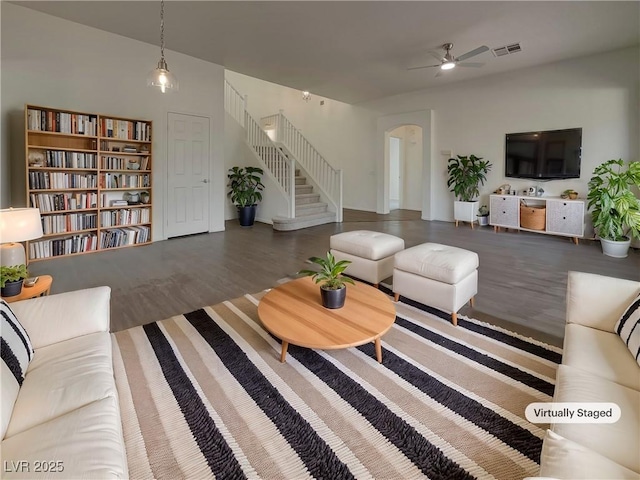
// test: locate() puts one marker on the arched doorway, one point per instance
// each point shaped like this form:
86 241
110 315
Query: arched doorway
405 168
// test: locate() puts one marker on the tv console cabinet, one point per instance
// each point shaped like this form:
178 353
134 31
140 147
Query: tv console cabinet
563 216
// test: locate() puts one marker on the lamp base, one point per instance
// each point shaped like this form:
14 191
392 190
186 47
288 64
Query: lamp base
12 254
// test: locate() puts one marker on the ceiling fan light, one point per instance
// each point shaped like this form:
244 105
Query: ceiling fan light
447 65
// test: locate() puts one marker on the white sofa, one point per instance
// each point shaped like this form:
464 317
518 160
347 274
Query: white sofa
65 422
596 366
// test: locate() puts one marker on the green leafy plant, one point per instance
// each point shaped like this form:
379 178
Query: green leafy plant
483 211
616 210
466 174
330 272
12 274
245 185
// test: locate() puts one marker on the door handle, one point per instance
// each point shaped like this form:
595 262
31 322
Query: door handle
205 181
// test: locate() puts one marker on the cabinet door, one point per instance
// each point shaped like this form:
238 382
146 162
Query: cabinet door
565 217
503 211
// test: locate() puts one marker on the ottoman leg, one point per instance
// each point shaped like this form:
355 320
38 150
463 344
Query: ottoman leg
454 319
472 301
375 285
396 297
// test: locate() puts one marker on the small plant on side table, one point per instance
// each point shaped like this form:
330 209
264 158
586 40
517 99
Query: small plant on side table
333 289
11 278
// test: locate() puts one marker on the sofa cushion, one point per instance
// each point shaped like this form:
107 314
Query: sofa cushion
366 244
620 441
86 443
16 353
63 377
564 459
628 327
601 353
438 262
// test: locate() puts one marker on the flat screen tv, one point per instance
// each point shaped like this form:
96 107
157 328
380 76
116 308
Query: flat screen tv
549 155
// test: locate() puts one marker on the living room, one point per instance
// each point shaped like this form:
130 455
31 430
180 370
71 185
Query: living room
97 71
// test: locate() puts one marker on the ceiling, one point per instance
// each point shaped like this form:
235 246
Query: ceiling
354 51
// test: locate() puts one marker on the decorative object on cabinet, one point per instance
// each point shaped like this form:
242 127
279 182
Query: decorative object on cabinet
245 184
79 188
161 77
17 225
466 174
616 210
569 193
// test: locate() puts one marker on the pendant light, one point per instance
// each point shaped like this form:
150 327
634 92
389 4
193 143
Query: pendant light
161 77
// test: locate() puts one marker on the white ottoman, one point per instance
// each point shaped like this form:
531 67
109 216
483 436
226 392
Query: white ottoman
437 275
370 253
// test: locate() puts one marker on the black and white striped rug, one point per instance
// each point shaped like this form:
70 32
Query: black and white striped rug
204 395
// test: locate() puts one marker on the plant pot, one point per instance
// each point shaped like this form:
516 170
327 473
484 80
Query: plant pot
483 220
11 289
465 211
247 215
614 248
333 298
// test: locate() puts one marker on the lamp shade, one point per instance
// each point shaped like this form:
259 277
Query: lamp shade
19 224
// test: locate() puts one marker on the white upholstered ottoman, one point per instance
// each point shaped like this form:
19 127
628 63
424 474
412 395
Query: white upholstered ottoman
437 275
370 253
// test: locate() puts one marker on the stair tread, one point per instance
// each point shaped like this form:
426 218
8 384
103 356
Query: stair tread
305 217
312 205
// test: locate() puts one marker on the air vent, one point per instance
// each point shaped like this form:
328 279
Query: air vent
506 50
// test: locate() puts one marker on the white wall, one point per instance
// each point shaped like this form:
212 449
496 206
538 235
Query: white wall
598 93
342 133
52 62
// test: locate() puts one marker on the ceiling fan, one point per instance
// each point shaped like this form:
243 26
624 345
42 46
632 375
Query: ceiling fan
448 61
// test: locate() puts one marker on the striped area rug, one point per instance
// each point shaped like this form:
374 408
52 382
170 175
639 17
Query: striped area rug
204 395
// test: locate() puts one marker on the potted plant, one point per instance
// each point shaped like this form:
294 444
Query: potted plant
466 174
483 215
11 279
333 289
245 185
616 210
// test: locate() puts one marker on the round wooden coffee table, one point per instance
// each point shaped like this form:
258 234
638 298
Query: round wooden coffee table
293 312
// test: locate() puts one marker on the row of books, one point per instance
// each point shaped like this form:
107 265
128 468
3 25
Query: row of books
119 163
123 180
63 246
54 180
60 159
131 216
120 237
54 202
73 222
125 129
50 121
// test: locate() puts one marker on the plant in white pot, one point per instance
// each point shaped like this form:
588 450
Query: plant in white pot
333 289
616 209
466 174
483 216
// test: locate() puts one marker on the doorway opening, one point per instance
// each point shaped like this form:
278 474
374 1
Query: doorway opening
404 157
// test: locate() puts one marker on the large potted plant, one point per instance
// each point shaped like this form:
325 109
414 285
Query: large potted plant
11 279
616 210
466 174
333 289
245 184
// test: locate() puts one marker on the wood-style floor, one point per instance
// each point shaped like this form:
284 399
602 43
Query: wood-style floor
522 276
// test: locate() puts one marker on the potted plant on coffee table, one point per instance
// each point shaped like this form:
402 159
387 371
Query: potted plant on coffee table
11 278
466 174
245 184
333 289
616 210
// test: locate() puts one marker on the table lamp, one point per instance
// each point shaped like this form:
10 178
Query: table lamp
17 225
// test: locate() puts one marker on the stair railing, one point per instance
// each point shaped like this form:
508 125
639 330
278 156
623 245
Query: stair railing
328 179
234 103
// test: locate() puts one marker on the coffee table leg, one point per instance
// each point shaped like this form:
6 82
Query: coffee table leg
283 354
378 350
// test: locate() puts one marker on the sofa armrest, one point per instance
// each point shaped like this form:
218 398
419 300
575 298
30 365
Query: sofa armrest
61 317
597 301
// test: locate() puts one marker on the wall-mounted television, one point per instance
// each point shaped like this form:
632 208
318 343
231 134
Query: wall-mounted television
547 155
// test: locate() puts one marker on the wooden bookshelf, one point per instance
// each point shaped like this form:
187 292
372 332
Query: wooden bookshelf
80 168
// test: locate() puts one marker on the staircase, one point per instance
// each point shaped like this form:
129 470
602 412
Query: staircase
309 210
313 198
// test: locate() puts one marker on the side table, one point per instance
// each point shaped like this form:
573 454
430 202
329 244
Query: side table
42 287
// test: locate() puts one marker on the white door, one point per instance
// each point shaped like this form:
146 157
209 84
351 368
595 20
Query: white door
188 175
395 169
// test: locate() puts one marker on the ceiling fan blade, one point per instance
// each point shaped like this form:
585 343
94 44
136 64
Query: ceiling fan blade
439 74
423 66
436 55
469 64
472 53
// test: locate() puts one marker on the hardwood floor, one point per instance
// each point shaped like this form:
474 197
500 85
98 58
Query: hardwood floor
522 276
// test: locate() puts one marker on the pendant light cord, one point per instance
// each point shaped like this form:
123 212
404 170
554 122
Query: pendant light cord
162 29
